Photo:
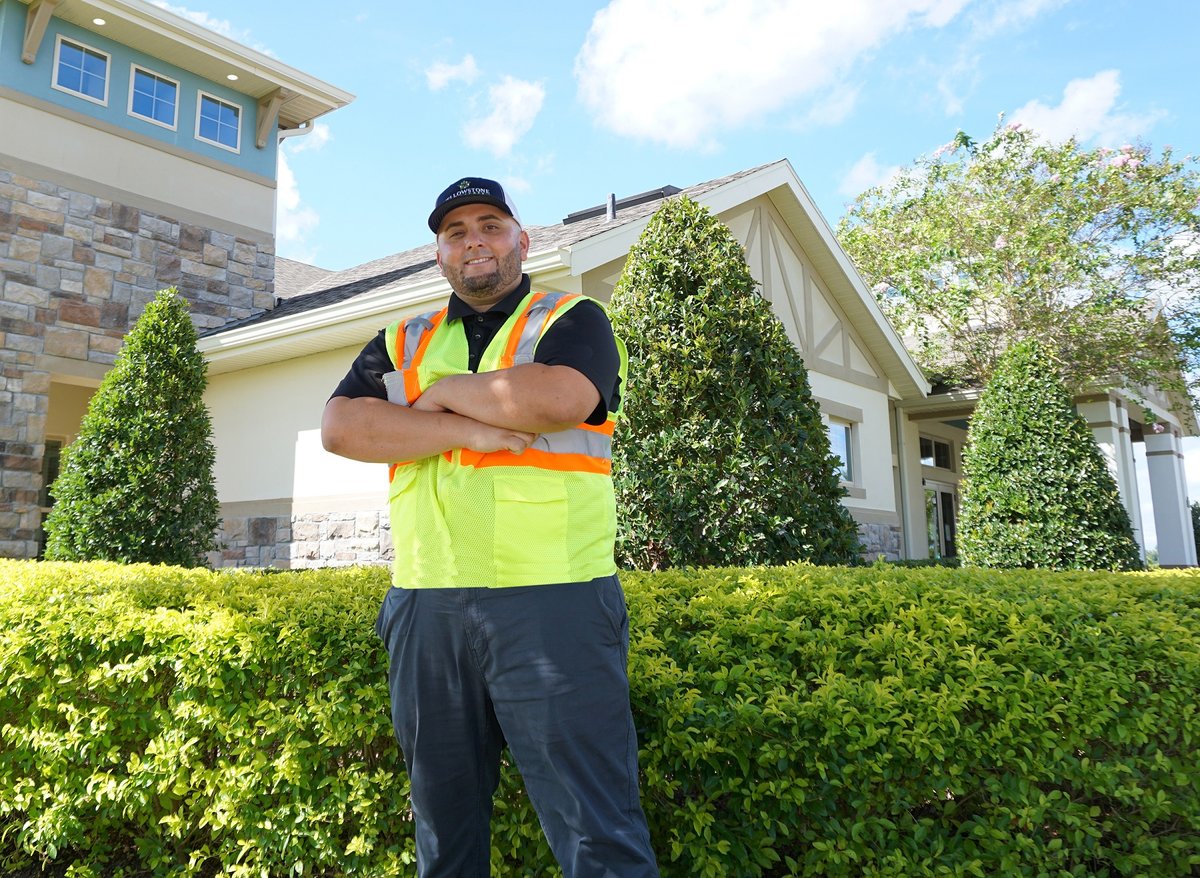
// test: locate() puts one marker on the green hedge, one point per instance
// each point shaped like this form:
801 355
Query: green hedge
793 721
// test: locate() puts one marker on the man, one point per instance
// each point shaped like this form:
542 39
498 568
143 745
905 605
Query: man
506 622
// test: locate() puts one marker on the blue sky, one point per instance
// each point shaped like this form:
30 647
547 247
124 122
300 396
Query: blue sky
567 102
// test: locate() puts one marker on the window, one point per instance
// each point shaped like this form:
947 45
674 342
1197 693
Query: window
81 70
840 444
153 97
936 452
218 122
50 468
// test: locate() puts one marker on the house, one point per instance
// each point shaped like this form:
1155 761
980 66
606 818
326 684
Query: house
137 151
900 441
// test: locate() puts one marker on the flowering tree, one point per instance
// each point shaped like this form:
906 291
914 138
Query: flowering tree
1096 253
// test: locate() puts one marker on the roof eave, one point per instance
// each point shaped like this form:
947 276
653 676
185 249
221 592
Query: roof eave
341 324
196 48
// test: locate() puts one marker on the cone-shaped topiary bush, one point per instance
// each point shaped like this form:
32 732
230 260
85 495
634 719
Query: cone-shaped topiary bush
723 459
1036 491
137 483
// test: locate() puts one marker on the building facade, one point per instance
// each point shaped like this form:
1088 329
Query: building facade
138 151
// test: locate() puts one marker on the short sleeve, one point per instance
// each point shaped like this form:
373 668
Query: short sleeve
582 338
365 377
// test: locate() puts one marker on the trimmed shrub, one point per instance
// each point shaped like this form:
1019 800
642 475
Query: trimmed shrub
723 459
1036 491
137 483
871 721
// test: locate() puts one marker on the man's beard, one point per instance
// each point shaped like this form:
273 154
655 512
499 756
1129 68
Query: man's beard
484 286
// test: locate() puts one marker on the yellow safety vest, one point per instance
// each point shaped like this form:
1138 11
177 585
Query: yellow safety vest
470 519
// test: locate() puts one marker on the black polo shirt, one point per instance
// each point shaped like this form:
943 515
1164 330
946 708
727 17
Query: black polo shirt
581 338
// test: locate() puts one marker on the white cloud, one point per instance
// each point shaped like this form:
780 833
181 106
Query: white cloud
867 172
1088 111
1012 14
220 25
294 220
314 140
832 109
441 74
515 105
682 71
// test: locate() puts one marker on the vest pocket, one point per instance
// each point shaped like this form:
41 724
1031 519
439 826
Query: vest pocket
531 528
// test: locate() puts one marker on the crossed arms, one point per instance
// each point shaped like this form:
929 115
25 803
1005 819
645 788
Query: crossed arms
503 410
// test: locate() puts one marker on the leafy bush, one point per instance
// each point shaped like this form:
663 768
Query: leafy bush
792 721
137 483
723 458
1036 491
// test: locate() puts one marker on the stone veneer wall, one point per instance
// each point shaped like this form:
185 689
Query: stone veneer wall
339 539
77 271
880 539
334 539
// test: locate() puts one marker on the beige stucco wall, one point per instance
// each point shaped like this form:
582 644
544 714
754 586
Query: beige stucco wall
278 408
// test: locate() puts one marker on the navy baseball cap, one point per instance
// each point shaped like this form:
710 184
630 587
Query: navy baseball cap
471 190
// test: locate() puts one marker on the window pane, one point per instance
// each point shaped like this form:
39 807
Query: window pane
941 455
143 104
70 55
208 128
926 452
839 446
93 86
97 65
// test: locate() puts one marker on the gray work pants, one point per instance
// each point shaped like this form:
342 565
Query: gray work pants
543 669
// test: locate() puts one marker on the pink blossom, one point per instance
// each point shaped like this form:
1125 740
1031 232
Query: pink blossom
1054 178
1000 243
1127 148
1015 126
945 148
880 288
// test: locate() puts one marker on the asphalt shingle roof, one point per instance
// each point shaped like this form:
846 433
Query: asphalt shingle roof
420 263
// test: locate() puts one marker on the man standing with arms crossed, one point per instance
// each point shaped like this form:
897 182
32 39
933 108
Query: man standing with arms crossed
506 622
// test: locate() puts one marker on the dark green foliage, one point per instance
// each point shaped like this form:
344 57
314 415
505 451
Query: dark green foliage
137 484
723 458
870 721
1196 525
1036 491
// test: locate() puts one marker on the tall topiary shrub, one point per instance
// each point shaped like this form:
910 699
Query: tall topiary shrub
723 459
1196 525
137 484
1036 491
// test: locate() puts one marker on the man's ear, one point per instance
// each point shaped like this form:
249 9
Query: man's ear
524 240
438 256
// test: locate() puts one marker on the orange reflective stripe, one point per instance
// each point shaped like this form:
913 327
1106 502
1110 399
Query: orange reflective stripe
607 428
514 337
535 457
412 381
395 466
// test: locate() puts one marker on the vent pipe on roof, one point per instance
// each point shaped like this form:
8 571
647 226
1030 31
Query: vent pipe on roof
612 208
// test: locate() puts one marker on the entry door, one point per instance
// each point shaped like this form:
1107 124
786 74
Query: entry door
941 519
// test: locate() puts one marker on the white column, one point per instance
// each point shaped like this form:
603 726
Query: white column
1109 422
912 500
1168 493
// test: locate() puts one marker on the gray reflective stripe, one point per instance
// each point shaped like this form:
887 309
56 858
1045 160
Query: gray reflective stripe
533 327
575 441
414 328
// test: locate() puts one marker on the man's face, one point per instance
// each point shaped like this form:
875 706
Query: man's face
480 249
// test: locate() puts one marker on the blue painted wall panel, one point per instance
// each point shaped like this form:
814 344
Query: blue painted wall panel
37 80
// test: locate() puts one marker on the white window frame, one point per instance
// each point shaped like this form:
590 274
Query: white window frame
850 462
935 440
832 413
133 71
59 40
200 96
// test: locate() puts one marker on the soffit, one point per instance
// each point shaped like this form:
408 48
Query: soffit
206 53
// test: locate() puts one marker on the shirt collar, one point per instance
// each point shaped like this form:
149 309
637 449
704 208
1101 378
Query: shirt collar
458 309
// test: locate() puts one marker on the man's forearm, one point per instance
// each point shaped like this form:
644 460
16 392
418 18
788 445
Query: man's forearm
378 431
533 398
